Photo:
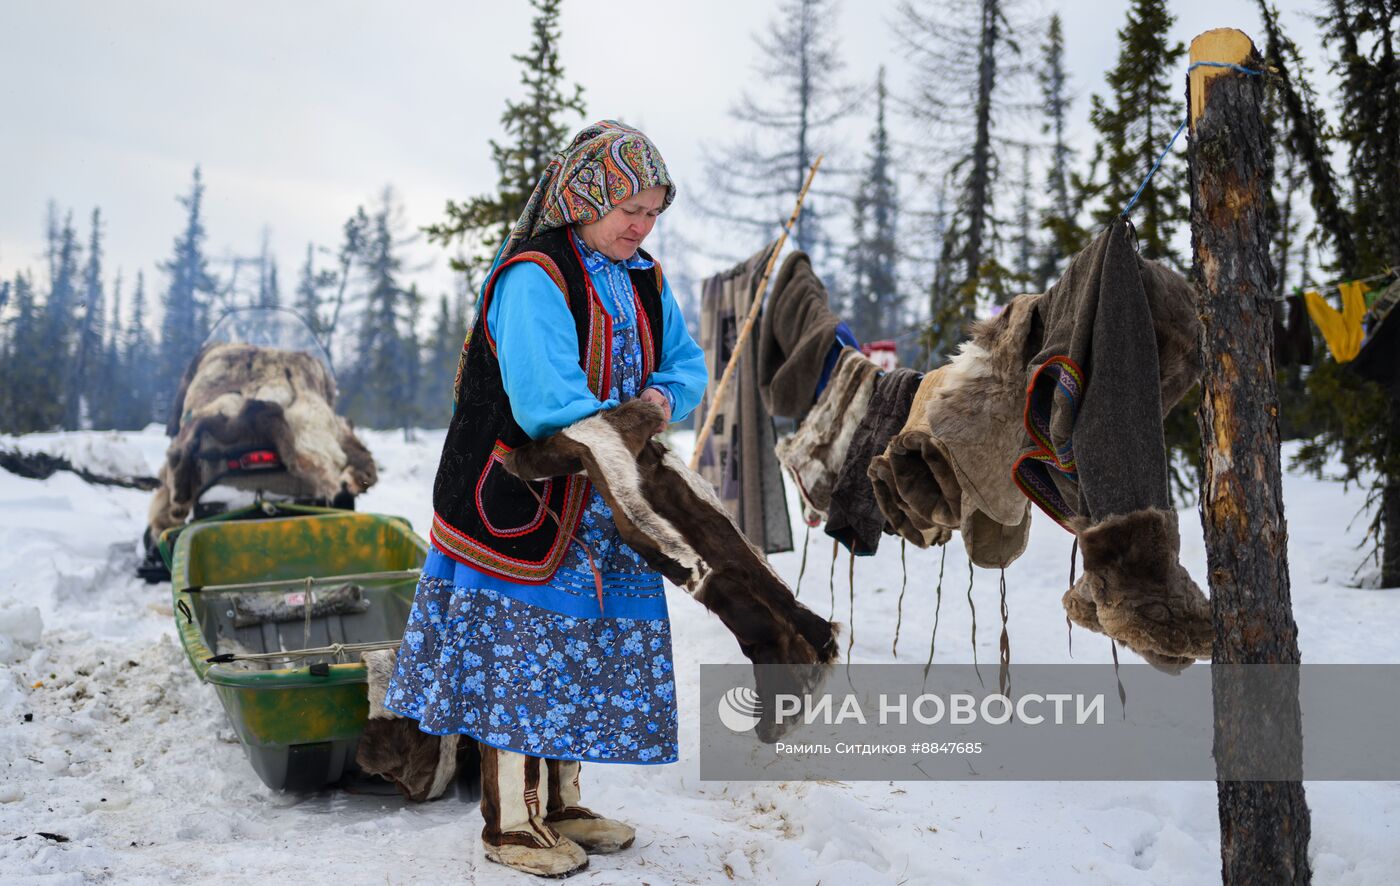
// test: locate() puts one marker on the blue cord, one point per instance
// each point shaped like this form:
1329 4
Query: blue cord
1194 65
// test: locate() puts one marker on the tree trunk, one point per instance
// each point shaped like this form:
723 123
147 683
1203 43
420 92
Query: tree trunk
1390 506
1264 825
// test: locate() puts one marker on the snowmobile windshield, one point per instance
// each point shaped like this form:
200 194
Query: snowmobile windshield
280 328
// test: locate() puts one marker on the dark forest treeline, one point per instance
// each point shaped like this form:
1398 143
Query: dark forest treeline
80 348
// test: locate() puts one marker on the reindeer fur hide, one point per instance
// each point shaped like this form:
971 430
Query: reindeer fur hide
814 454
949 467
672 518
237 396
393 747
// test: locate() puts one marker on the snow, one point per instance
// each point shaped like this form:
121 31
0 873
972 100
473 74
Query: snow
108 740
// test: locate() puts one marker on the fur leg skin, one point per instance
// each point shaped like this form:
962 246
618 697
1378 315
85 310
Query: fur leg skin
1135 590
515 834
571 819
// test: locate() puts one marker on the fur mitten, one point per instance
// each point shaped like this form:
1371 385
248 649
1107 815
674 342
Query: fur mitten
1135 591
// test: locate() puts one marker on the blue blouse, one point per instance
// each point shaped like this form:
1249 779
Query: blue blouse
538 348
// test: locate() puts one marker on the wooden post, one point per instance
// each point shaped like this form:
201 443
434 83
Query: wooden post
1264 825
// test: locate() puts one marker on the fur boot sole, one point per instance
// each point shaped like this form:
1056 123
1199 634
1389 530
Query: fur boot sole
560 860
597 835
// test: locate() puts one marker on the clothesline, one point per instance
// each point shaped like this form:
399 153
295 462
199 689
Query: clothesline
1180 129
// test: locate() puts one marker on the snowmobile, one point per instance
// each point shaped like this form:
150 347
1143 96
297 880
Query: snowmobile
278 585
253 421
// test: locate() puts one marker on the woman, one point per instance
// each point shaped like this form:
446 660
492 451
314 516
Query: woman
510 639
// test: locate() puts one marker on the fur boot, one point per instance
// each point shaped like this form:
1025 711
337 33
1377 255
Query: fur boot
1135 590
571 819
670 516
515 833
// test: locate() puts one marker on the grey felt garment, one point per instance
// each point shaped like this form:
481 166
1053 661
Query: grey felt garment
739 458
796 335
949 468
855 519
1121 346
814 454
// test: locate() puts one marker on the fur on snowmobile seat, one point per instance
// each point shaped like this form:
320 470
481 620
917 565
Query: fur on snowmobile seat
236 397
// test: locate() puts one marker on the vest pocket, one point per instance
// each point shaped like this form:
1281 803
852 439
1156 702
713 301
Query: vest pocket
504 502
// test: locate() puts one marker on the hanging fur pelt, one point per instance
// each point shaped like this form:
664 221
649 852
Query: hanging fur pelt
671 517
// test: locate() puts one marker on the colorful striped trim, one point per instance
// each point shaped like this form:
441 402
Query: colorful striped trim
598 367
463 549
1069 380
536 258
1031 473
498 459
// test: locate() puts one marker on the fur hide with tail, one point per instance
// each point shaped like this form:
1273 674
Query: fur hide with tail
236 397
393 747
672 518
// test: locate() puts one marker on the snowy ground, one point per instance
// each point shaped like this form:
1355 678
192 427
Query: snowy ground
107 740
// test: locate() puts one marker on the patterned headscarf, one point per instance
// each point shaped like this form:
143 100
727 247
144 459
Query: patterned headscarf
604 165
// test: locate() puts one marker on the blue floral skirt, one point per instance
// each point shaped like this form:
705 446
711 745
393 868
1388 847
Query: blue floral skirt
494 660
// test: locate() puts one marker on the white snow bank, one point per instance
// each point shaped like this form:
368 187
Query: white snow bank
133 761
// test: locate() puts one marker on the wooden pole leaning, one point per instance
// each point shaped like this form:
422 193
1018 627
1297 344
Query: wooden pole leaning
1264 825
708 424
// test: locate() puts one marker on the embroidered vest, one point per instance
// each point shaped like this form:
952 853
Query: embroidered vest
483 516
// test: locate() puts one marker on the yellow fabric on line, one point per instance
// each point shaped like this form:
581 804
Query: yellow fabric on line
1342 331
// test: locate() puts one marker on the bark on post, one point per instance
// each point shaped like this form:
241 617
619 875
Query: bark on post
1264 825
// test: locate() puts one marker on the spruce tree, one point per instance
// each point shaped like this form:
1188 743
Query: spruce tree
536 129
58 327
1134 123
380 380
310 285
440 367
875 308
114 389
24 364
1061 216
87 386
139 357
185 322
1354 419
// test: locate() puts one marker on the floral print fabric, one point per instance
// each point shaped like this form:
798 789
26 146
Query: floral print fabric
549 670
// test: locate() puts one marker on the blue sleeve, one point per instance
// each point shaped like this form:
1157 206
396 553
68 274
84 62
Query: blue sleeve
681 375
538 351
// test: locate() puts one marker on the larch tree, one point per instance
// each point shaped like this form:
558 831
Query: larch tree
536 128
24 362
965 57
59 325
88 378
139 356
754 180
1060 218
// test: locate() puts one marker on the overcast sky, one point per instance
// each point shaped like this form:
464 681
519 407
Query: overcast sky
300 111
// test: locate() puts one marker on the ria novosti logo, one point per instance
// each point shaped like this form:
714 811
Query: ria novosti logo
739 709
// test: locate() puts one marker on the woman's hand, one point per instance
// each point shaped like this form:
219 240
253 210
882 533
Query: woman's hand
652 395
